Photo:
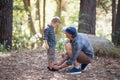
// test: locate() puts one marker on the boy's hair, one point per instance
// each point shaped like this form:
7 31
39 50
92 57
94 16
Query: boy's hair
56 19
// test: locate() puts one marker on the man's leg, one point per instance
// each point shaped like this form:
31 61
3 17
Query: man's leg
84 60
66 55
68 48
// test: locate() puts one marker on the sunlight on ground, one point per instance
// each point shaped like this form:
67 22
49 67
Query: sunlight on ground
57 76
3 54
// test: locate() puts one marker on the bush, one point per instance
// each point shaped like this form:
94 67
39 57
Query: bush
3 47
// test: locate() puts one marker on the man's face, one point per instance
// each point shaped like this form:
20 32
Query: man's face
69 36
55 24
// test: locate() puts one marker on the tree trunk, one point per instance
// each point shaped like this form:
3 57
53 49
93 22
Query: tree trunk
117 26
6 10
113 18
38 17
87 16
30 20
58 12
44 12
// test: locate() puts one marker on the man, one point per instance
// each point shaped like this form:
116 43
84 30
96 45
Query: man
50 42
79 51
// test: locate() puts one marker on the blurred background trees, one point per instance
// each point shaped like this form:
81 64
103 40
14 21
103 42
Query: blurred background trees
31 16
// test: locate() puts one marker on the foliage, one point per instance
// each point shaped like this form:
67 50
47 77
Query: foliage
70 12
60 43
3 47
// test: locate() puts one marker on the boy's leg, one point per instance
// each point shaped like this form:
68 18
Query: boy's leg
51 56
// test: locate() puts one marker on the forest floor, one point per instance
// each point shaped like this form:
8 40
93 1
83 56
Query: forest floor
32 65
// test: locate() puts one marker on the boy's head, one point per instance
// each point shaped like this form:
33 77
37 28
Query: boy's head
55 22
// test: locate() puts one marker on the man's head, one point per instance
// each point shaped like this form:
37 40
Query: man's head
70 32
55 22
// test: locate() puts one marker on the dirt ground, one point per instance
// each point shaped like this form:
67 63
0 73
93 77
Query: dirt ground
32 65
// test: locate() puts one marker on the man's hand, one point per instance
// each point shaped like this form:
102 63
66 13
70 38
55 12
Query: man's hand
57 63
56 67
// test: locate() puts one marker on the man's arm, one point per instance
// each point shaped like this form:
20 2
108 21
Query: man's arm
75 53
64 58
60 66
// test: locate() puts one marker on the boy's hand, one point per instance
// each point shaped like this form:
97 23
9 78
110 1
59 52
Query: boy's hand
47 47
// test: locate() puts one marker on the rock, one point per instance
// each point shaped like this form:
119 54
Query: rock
100 45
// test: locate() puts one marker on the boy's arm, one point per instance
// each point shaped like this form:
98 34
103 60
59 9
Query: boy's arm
46 33
46 44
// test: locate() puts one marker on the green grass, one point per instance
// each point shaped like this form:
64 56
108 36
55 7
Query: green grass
115 52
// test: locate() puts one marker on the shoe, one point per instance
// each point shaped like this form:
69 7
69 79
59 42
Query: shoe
84 67
51 69
74 71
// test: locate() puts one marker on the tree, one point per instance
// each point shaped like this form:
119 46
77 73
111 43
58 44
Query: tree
6 10
113 18
87 16
30 20
38 17
58 12
116 34
44 12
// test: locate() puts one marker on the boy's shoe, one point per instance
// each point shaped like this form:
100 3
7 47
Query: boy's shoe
51 69
84 67
74 70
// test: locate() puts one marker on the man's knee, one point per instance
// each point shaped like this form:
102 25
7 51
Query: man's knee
68 46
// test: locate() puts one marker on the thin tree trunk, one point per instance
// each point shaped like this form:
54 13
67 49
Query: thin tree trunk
58 12
87 16
38 17
30 20
6 11
113 18
44 12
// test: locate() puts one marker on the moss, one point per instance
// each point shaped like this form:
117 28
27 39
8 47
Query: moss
115 52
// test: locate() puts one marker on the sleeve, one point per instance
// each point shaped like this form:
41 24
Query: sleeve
46 33
76 51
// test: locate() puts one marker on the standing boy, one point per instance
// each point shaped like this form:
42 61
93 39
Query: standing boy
50 42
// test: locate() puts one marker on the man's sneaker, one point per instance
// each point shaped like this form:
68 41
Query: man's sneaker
84 67
74 70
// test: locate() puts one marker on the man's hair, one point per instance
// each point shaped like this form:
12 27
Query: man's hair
56 20
73 36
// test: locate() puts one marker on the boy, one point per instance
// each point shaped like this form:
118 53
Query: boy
49 39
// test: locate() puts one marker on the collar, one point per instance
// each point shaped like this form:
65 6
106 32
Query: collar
50 26
74 39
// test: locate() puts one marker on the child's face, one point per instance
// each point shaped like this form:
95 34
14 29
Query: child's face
55 24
